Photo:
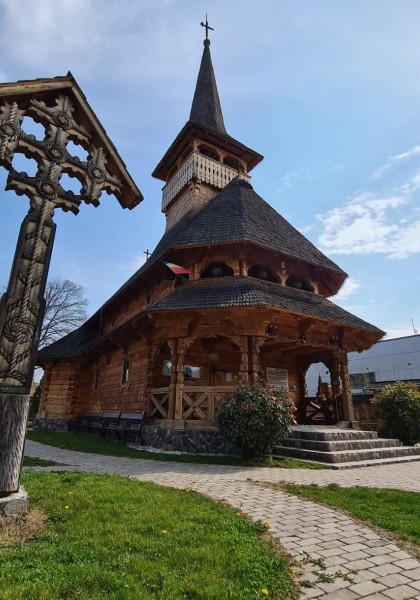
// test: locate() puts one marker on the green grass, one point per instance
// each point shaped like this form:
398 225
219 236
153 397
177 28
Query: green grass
394 510
112 537
28 461
95 445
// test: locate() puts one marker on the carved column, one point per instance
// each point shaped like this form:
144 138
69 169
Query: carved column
172 343
334 369
303 393
256 343
348 409
244 366
179 385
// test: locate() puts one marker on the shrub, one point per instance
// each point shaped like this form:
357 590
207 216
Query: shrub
398 405
255 419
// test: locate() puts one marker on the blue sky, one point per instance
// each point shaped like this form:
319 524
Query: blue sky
327 91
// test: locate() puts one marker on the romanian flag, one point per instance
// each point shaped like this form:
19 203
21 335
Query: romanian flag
176 269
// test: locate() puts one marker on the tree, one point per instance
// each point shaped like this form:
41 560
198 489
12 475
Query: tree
398 405
65 310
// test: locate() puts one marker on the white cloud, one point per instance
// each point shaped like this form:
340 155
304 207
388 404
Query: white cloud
413 152
43 30
394 160
368 224
348 289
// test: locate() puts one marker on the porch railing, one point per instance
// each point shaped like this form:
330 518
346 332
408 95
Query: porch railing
199 403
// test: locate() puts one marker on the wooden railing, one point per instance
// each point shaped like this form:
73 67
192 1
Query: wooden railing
202 168
159 403
199 403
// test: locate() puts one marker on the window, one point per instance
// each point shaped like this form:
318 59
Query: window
190 371
97 379
261 272
125 371
300 283
217 269
210 152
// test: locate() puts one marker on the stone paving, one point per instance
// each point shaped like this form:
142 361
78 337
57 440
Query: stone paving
342 559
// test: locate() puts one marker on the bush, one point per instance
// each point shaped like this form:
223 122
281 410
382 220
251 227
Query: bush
255 419
398 405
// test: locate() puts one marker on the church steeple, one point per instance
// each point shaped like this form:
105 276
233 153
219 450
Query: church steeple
206 109
203 158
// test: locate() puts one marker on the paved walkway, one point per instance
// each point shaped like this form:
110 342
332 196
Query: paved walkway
373 568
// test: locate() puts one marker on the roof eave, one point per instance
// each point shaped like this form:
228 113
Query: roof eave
192 130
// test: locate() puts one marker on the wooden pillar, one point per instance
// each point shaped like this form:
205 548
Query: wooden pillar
348 408
179 382
243 369
255 345
172 343
303 392
334 369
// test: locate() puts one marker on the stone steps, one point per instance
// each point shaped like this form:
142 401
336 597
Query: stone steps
337 446
340 445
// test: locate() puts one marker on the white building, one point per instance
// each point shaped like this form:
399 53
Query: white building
385 362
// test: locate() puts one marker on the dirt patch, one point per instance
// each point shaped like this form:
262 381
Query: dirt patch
18 530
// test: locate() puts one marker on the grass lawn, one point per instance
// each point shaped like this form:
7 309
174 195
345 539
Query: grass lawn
394 510
111 537
96 445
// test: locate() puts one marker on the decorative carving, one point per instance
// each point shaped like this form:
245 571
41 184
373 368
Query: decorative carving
21 307
256 343
98 179
60 115
348 408
22 304
10 120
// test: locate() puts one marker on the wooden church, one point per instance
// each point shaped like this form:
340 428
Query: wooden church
232 293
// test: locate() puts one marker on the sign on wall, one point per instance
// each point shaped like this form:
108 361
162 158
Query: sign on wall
278 378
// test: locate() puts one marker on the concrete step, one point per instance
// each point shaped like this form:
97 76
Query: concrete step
340 445
347 456
374 463
326 433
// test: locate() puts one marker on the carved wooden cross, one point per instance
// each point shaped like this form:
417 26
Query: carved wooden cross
60 106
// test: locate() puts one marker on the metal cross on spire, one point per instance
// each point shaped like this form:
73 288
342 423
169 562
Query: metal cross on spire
207 26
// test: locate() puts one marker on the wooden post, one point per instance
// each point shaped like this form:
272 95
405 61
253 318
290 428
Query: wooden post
179 386
256 343
14 410
243 370
172 343
348 408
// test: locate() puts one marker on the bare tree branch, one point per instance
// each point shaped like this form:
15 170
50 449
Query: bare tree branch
65 310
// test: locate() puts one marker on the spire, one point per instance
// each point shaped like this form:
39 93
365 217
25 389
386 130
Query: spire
206 109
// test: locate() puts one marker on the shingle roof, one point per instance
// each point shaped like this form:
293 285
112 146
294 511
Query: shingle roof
69 345
227 292
237 214
206 109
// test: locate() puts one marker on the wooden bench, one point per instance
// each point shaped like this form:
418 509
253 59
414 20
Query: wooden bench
129 425
93 422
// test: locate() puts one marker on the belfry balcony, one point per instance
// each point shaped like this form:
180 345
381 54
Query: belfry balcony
199 168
